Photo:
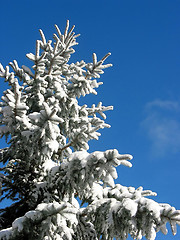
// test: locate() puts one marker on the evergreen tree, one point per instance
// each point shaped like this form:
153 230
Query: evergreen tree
46 166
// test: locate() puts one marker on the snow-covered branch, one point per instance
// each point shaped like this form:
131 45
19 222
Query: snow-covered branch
139 217
81 170
24 225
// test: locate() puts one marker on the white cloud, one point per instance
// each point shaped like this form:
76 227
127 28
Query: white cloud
162 126
166 105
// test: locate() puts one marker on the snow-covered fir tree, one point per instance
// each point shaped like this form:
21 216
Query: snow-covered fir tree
47 166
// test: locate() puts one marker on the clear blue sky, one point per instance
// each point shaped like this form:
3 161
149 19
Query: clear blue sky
143 85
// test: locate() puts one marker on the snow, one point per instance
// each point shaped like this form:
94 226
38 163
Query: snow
75 203
49 164
7 111
173 227
81 155
41 206
11 97
152 233
18 223
97 191
99 156
31 214
126 163
53 145
153 207
54 170
164 229
131 206
6 233
27 70
34 116
113 173
109 180
26 133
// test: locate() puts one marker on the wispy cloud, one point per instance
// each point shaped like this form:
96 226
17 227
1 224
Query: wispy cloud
165 105
162 126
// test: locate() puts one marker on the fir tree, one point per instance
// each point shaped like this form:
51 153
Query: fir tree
46 166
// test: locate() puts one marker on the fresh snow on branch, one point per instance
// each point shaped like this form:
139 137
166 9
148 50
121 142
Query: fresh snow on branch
23 225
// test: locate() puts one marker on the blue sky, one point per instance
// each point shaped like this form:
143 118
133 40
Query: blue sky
143 84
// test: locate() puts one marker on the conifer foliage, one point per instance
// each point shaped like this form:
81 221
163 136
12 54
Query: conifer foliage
47 166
